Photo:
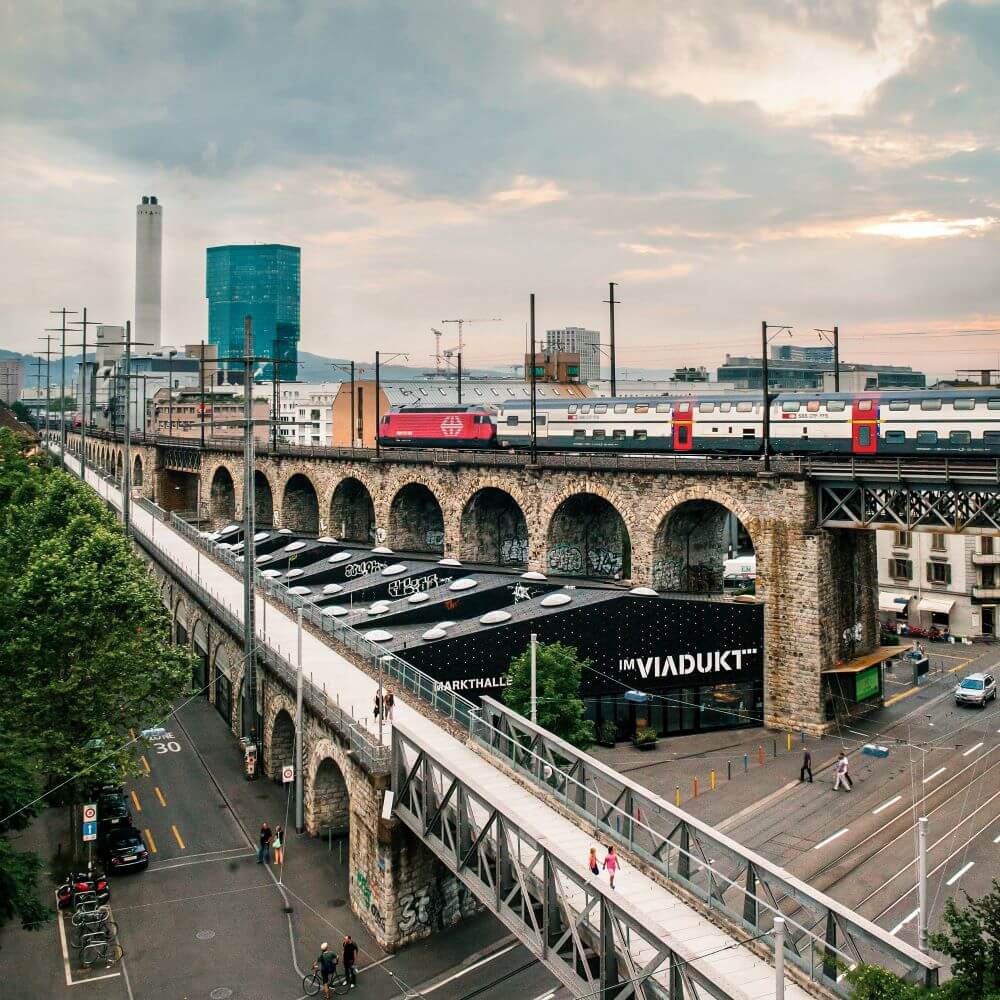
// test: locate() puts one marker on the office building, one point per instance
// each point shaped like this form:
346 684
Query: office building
746 373
798 352
11 380
148 272
187 413
554 366
261 281
305 412
577 340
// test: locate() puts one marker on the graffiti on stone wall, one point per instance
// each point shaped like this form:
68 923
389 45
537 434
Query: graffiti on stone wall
436 905
605 562
434 537
365 889
602 558
565 557
513 550
852 637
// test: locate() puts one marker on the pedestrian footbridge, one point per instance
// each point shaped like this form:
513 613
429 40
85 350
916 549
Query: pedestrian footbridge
512 812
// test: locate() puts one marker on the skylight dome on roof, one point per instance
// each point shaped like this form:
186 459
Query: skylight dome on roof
494 617
332 588
339 557
382 550
449 562
434 633
418 598
264 558
299 591
335 611
284 531
379 608
555 600
327 540
270 573
466 583
378 635
292 573
294 546
229 529
394 570
533 575
644 591
261 535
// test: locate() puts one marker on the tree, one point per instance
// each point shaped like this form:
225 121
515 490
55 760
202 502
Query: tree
972 942
560 709
869 982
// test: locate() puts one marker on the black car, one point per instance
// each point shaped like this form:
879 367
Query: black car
112 808
122 848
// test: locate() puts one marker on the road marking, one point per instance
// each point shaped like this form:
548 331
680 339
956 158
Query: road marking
177 836
832 837
145 764
885 805
905 921
159 795
546 996
135 802
972 750
150 841
94 979
900 696
172 863
996 839
931 777
961 871
65 950
471 968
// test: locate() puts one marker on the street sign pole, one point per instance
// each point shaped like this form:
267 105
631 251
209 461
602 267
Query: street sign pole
90 831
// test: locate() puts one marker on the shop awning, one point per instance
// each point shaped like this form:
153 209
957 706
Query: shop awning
878 655
940 605
889 601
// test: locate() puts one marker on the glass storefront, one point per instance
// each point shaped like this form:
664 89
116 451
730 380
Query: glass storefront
684 710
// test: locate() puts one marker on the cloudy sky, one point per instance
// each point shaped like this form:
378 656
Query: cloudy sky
726 161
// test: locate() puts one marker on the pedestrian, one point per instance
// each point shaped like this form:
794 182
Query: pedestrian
807 767
611 864
843 778
350 959
389 704
378 704
278 843
264 850
595 868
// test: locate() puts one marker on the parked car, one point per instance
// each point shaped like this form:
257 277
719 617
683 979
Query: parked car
113 808
123 848
976 689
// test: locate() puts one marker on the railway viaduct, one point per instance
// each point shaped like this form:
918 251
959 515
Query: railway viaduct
641 527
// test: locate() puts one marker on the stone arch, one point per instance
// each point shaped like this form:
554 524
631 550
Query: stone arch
300 505
416 520
352 511
587 536
327 793
697 529
224 682
279 737
222 496
137 472
263 500
493 529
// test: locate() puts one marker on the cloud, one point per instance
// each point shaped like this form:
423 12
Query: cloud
645 274
527 192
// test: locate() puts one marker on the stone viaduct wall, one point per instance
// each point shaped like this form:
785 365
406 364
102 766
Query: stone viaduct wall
398 888
657 529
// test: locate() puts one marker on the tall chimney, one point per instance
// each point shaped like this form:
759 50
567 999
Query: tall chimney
148 272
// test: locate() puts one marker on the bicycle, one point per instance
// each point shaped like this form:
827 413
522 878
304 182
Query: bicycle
90 914
105 929
312 983
100 951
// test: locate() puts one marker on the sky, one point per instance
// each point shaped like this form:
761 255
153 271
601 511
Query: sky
725 161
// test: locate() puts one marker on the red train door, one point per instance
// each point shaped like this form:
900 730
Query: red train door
864 426
683 427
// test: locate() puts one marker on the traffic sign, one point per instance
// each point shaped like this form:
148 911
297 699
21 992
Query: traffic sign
89 831
287 774
90 812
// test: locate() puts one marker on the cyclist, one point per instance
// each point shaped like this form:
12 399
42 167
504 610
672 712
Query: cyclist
326 965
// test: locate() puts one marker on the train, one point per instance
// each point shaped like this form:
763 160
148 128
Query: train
904 422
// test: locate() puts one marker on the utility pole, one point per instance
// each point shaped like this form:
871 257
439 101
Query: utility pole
249 635
766 423
48 380
459 378
353 428
127 466
922 883
835 343
779 958
275 397
378 405
611 308
534 386
64 312
534 677
299 822
84 323
201 379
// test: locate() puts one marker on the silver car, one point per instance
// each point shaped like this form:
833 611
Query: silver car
976 689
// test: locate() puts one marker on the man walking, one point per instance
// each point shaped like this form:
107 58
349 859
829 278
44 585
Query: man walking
264 849
807 767
350 958
843 778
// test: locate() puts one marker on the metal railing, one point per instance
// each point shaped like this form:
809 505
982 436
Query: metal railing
824 935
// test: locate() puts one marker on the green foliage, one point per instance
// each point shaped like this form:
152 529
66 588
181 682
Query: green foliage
972 941
644 737
607 732
84 650
869 982
560 709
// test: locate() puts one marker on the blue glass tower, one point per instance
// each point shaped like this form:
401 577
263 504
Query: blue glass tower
262 281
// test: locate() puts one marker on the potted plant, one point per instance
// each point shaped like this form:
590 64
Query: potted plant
644 739
607 733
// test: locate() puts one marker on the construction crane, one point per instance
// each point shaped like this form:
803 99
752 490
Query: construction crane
437 350
461 323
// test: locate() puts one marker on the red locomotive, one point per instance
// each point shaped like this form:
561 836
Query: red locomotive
445 426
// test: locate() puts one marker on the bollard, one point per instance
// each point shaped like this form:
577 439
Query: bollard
789 742
677 795
802 738
712 779
694 781
774 748
746 763
760 754
729 770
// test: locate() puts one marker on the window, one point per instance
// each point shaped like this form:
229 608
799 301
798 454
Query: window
641 408
989 576
683 434
600 408
960 437
813 406
585 408
572 408
991 438
749 432
835 406
639 435
986 545
864 405
479 391
937 541
927 437
901 569
744 407
895 437
621 407
618 435
706 408
938 572
725 407
930 404
579 434
599 433
540 419
662 407
790 407
512 421
964 404
899 404
864 436
903 539
993 404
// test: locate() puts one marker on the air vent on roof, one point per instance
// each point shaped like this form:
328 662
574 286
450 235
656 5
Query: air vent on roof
299 591
335 611
448 562
533 575
417 598
466 583
378 635
394 570
494 617
555 600
644 591
339 557
332 588
382 550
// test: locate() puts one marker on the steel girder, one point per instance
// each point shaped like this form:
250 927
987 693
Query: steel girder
909 508
181 459
594 943
745 889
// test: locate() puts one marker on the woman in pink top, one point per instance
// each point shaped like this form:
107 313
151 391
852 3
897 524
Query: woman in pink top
611 864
